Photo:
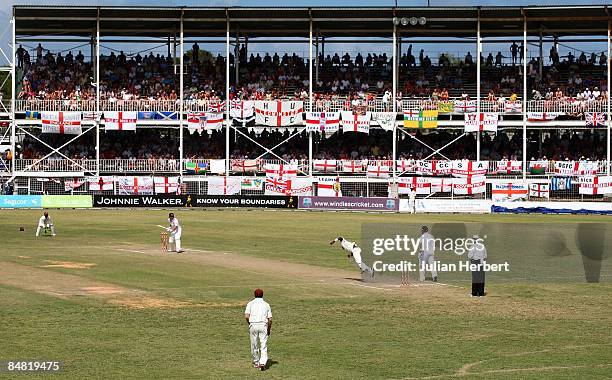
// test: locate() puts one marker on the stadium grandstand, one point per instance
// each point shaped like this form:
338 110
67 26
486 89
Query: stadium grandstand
367 95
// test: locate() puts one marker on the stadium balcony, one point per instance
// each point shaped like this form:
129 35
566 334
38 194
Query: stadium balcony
237 166
570 107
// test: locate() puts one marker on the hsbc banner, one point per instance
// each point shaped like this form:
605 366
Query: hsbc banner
186 201
349 204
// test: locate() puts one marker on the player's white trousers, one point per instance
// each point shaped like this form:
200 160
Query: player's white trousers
259 342
357 257
41 226
429 260
175 238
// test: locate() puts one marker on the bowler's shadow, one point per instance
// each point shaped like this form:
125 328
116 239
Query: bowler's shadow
270 363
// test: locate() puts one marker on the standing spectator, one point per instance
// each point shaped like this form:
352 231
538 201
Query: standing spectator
195 52
20 55
514 51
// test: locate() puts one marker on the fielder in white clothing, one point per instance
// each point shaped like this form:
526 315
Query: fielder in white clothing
412 200
175 234
45 222
355 252
258 315
427 245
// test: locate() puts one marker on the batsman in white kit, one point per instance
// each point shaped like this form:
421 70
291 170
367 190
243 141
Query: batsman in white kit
427 245
175 234
355 252
45 222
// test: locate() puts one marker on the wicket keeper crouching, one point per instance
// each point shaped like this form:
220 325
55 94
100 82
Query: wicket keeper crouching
45 222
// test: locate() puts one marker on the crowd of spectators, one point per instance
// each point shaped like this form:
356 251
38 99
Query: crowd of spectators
65 76
156 144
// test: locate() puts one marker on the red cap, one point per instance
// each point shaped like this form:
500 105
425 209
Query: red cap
258 293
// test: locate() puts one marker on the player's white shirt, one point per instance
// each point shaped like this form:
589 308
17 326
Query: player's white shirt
477 253
412 195
259 311
347 245
427 244
175 223
43 222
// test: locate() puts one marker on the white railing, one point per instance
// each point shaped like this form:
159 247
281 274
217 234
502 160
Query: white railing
339 104
139 166
568 107
55 165
118 166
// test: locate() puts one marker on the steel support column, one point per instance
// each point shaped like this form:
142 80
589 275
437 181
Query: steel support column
236 59
478 52
97 82
181 102
310 99
524 96
13 95
317 63
608 104
227 96
394 99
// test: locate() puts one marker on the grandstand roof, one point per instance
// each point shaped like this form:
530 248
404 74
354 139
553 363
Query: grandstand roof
294 22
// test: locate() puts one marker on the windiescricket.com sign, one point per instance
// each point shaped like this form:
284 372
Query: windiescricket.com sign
173 201
349 204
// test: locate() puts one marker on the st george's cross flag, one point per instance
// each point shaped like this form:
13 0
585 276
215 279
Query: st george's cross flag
100 183
594 185
166 185
509 166
469 185
328 122
120 120
463 106
378 171
509 191
421 185
539 190
244 166
224 185
353 122
324 166
433 167
68 123
352 166
481 122
279 113
466 168
135 185
329 187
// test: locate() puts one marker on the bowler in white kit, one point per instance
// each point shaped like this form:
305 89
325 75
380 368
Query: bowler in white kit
355 252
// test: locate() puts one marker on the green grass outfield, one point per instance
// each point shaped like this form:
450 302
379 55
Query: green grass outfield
103 299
